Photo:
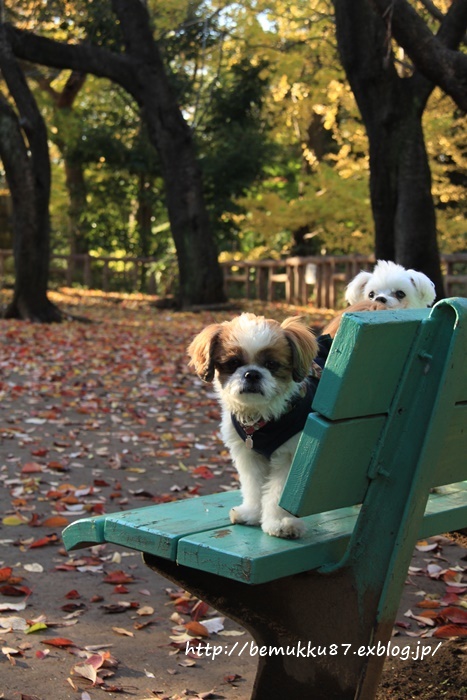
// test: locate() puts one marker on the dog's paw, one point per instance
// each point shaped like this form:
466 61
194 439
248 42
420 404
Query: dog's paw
288 528
244 515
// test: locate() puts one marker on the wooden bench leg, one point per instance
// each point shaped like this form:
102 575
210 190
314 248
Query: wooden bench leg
314 620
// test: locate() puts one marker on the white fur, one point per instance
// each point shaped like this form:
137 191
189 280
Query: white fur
260 341
262 483
262 480
387 282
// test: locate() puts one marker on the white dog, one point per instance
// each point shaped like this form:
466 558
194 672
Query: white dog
393 286
263 378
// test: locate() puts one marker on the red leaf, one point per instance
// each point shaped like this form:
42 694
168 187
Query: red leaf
72 595
447 631
204 472
430 604
55 521
58 642
201 609
456 615
57 466
117 577
32 468
41 654
12 590
197 629
232 678
40 452
5 573
44 541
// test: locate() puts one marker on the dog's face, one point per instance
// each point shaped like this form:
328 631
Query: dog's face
393 286
255 363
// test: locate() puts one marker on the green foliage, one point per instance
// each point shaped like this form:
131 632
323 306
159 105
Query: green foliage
234 142
445 136
281 143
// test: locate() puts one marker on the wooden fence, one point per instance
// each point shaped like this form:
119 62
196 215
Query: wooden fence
109 273
319 279
297 280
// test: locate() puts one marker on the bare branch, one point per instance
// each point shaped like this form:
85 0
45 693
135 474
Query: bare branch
435 56
84 58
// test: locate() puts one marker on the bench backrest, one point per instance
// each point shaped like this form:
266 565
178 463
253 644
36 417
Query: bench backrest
401 382
393 395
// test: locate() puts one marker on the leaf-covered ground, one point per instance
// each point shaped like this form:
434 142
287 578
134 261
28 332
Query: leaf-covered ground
103 416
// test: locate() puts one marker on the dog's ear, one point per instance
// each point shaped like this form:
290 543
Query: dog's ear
201 351
424 286
354 290
303 345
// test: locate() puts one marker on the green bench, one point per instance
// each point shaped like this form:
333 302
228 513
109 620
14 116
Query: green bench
381 462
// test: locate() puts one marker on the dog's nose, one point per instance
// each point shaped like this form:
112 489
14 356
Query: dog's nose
252 375
382 300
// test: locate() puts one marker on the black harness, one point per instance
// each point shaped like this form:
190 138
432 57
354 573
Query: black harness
266 437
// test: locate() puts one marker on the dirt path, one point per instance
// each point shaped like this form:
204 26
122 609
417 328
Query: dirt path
105 417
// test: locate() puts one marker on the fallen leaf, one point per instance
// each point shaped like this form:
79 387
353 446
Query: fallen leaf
87 671
34 568
118 577
32 468
14 623
55 521
123 631
13 520
145 610
455 615
58 642
196 629
448 631
5 573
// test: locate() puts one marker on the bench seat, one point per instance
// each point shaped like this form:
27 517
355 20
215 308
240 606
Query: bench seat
199 534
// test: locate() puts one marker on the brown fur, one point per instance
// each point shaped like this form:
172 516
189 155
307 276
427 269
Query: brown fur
367 305
295 345
303 344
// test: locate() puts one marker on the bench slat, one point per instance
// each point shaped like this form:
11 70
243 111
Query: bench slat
346 448
154 529
247 554
366 360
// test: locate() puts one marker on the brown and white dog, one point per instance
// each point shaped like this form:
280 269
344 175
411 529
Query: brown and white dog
261 373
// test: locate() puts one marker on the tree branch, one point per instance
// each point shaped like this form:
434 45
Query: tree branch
30 118
434 56
433 10
83 58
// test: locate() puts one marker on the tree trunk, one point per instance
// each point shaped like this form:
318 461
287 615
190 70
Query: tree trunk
201 280
144 217
141 72
74 175
27 169
391 107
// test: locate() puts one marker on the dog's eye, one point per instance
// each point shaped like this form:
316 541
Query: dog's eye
272 365
371 295
229 366
400 294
